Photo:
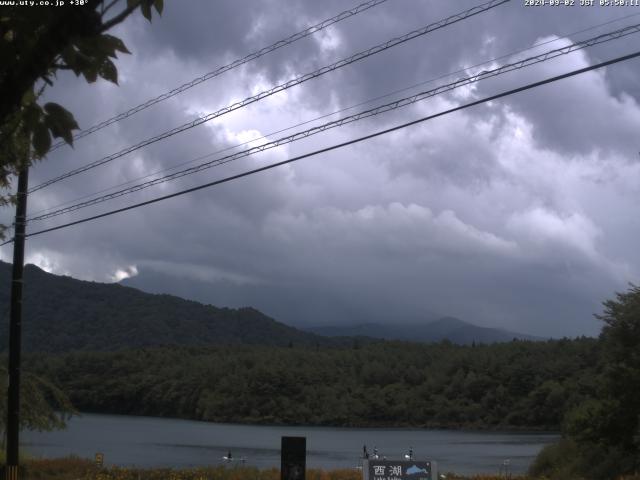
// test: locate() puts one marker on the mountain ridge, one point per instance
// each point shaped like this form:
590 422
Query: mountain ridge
440 327
66 314
452 329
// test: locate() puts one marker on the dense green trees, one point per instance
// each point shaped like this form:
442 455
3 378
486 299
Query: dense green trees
621 356
519 384
602 432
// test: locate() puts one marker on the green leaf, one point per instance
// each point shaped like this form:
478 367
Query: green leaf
90 74
145 8
105 49
28 97
31 115
116 43
82 62
97 47
60 121
108 71
159 4
41 139
70 58
61 115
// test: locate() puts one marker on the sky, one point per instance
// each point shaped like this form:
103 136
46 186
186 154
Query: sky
520 213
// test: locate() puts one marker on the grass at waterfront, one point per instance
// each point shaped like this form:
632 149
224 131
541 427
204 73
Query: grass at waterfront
73 468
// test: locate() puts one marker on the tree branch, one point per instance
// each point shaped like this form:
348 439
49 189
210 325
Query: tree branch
106 9
120 17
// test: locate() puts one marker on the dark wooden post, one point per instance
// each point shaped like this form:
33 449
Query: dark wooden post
293 458
15 330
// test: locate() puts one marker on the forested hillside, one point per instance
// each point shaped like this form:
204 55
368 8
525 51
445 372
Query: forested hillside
64 314
512 385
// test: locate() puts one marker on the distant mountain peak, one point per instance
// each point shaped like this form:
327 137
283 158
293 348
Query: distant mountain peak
444 328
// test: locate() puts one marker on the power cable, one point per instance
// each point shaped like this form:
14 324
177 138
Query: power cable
220 70
370 100
343 144
353 118
279 88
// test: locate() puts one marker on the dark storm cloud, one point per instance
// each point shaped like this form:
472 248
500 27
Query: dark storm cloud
198 31
575 115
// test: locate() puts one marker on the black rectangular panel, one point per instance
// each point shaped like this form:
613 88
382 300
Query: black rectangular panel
293 457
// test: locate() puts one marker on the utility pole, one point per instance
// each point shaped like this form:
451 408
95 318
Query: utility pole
15 329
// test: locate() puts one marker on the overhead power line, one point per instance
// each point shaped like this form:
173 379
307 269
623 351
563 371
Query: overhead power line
403 102
335 112
284 86
343 144
220 70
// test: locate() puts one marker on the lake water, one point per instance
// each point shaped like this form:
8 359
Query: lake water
157 442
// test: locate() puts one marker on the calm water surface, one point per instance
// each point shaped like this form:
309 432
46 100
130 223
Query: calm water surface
156 442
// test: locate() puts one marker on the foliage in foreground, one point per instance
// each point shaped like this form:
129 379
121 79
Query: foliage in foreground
43 406
602 433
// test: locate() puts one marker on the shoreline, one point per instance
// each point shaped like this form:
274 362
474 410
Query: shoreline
459 428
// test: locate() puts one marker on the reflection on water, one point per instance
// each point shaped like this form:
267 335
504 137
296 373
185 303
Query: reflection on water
155 442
